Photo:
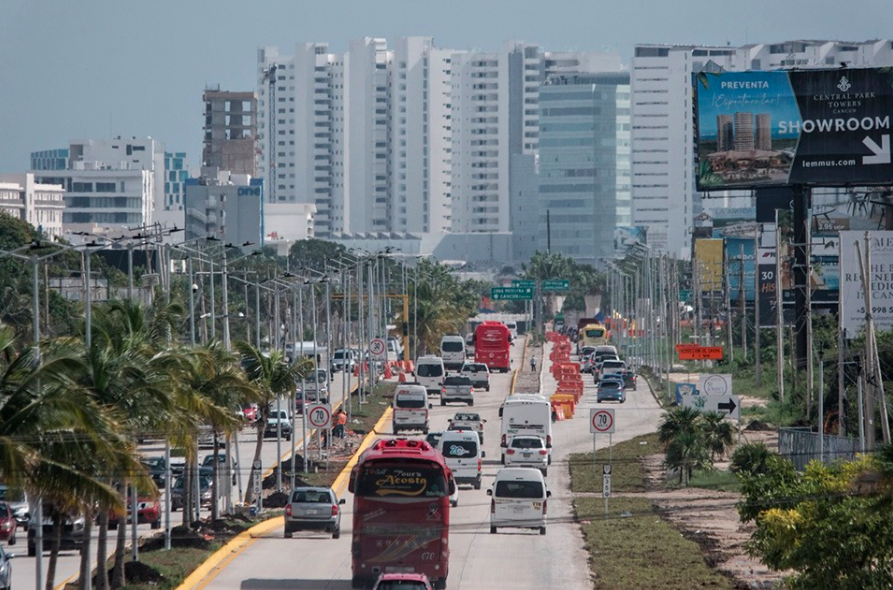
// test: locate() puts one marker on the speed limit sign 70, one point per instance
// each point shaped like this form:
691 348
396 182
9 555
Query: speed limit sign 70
601 421
320 416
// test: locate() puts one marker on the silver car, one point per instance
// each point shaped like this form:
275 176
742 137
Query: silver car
313 508
5 569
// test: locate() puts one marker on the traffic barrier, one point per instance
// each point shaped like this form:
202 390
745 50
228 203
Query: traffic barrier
401 377
387 371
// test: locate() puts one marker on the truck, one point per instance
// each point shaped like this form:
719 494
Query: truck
492 345
529 414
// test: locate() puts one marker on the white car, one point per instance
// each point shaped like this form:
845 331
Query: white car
518 499
528 451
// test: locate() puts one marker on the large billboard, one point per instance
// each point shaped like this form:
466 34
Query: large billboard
709 261
814 127
852 296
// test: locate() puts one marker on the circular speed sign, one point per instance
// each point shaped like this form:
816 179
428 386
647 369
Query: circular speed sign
378 349
601 422
319 416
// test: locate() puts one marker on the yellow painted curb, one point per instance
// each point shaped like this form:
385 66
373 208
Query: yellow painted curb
339 483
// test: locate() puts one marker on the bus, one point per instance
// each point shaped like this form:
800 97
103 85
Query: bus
401 512
492 343
592 335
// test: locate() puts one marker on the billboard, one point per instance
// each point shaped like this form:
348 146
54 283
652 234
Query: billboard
852 297
815 127
709 258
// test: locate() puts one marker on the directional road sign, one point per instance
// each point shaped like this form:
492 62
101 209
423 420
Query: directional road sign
557 285
727 405
511 293
715 384
601 421
378 349
320 416
524 283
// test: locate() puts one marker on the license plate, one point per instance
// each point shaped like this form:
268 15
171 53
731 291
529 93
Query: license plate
311 511
527 455
393 569
518 509
537 505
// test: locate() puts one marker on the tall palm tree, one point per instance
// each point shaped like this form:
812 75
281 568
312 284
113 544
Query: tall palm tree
273 378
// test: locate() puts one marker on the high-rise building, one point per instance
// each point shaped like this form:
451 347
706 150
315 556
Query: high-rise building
764 131
664 198
230 141
584 170
724 133
50 159
170 211
41 205
744 135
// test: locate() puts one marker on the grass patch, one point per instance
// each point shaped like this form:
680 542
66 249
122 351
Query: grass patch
715 479
174 565
641 550
627 473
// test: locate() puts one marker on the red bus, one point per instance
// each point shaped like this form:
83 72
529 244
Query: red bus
401 512
492 341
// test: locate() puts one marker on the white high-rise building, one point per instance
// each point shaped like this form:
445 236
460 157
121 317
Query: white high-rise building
664 199
41 205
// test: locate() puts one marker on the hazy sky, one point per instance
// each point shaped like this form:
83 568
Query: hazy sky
97 68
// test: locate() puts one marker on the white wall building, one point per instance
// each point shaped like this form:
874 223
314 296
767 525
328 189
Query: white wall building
664 199
41 205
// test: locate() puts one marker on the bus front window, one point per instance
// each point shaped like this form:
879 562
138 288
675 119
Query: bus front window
403 481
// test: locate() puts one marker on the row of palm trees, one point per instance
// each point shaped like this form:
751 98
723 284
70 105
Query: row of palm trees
71 415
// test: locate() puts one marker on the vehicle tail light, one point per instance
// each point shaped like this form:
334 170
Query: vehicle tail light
544 452
288 509
510 451
503 440
480 465
443 390
334 510
545 504
549 440
492 506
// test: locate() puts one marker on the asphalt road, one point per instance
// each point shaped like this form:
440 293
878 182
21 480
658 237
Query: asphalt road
512 559
68 565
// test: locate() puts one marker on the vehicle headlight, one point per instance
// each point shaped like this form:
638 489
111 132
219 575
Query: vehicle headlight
79 524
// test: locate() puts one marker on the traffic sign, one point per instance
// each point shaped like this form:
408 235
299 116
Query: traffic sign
685 389
715 384
557 285
256 464
378 349
606 484
700 353
524 283
601 421
511 293
727 405
320 416
256 481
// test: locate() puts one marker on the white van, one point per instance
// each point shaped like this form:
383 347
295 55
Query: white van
452 351
410 408
513 328
462 451
526 414
429 371
518 499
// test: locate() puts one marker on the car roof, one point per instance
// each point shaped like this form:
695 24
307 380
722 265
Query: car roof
519 474
411 388
460 435
311 489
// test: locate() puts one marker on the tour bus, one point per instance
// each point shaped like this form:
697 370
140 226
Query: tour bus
592 335
401 513
529 414
492 342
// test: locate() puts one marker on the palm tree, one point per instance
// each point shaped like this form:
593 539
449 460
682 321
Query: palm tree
687 452
718 434
273 378
677 420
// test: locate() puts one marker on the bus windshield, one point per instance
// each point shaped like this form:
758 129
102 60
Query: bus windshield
401 481
595 333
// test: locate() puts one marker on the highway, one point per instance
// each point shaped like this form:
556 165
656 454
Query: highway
512 559
68 565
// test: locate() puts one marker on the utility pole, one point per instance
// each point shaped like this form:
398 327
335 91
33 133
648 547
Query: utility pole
756 306
742 295
779 313
728 290
868 364
810 370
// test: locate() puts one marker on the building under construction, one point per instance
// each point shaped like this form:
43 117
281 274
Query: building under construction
230 131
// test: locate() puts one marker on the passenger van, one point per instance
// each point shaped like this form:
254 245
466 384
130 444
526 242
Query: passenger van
429 372
410 408
463 454
513 329
518 499
452 351
529 414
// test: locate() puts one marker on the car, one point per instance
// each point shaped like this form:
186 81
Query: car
5 569
468 421
279 419
148 510
17 499
527 451
457 388
610 390
433 438
343 358
206 469
250 413
157 468
518 499
177 492
9 526
72 538
629 379
479 374
313 508
402 582
610 366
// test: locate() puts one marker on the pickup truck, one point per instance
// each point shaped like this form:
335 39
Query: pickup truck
277 419
457 388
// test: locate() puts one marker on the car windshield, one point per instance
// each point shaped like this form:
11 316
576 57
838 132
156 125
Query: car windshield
452 346
613 364
527 443
457 381
519 489
459 449
339 355
429 370
409 403
311 497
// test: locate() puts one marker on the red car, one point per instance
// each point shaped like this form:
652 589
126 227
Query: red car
147 510
249 413
8 524
402 582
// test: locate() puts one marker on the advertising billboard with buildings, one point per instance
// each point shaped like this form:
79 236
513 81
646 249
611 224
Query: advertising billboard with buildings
813 127
709 260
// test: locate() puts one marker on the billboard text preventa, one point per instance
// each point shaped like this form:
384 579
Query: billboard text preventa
813 127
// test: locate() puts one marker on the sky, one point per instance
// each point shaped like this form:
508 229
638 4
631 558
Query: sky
102 68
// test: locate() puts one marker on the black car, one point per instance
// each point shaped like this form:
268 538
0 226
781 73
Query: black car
158 469
629 379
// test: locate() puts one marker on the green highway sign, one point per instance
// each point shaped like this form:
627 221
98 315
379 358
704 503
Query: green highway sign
557 285
511 293
685 295
524 283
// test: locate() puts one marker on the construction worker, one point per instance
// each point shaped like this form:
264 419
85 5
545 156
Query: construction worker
340 422
533 363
